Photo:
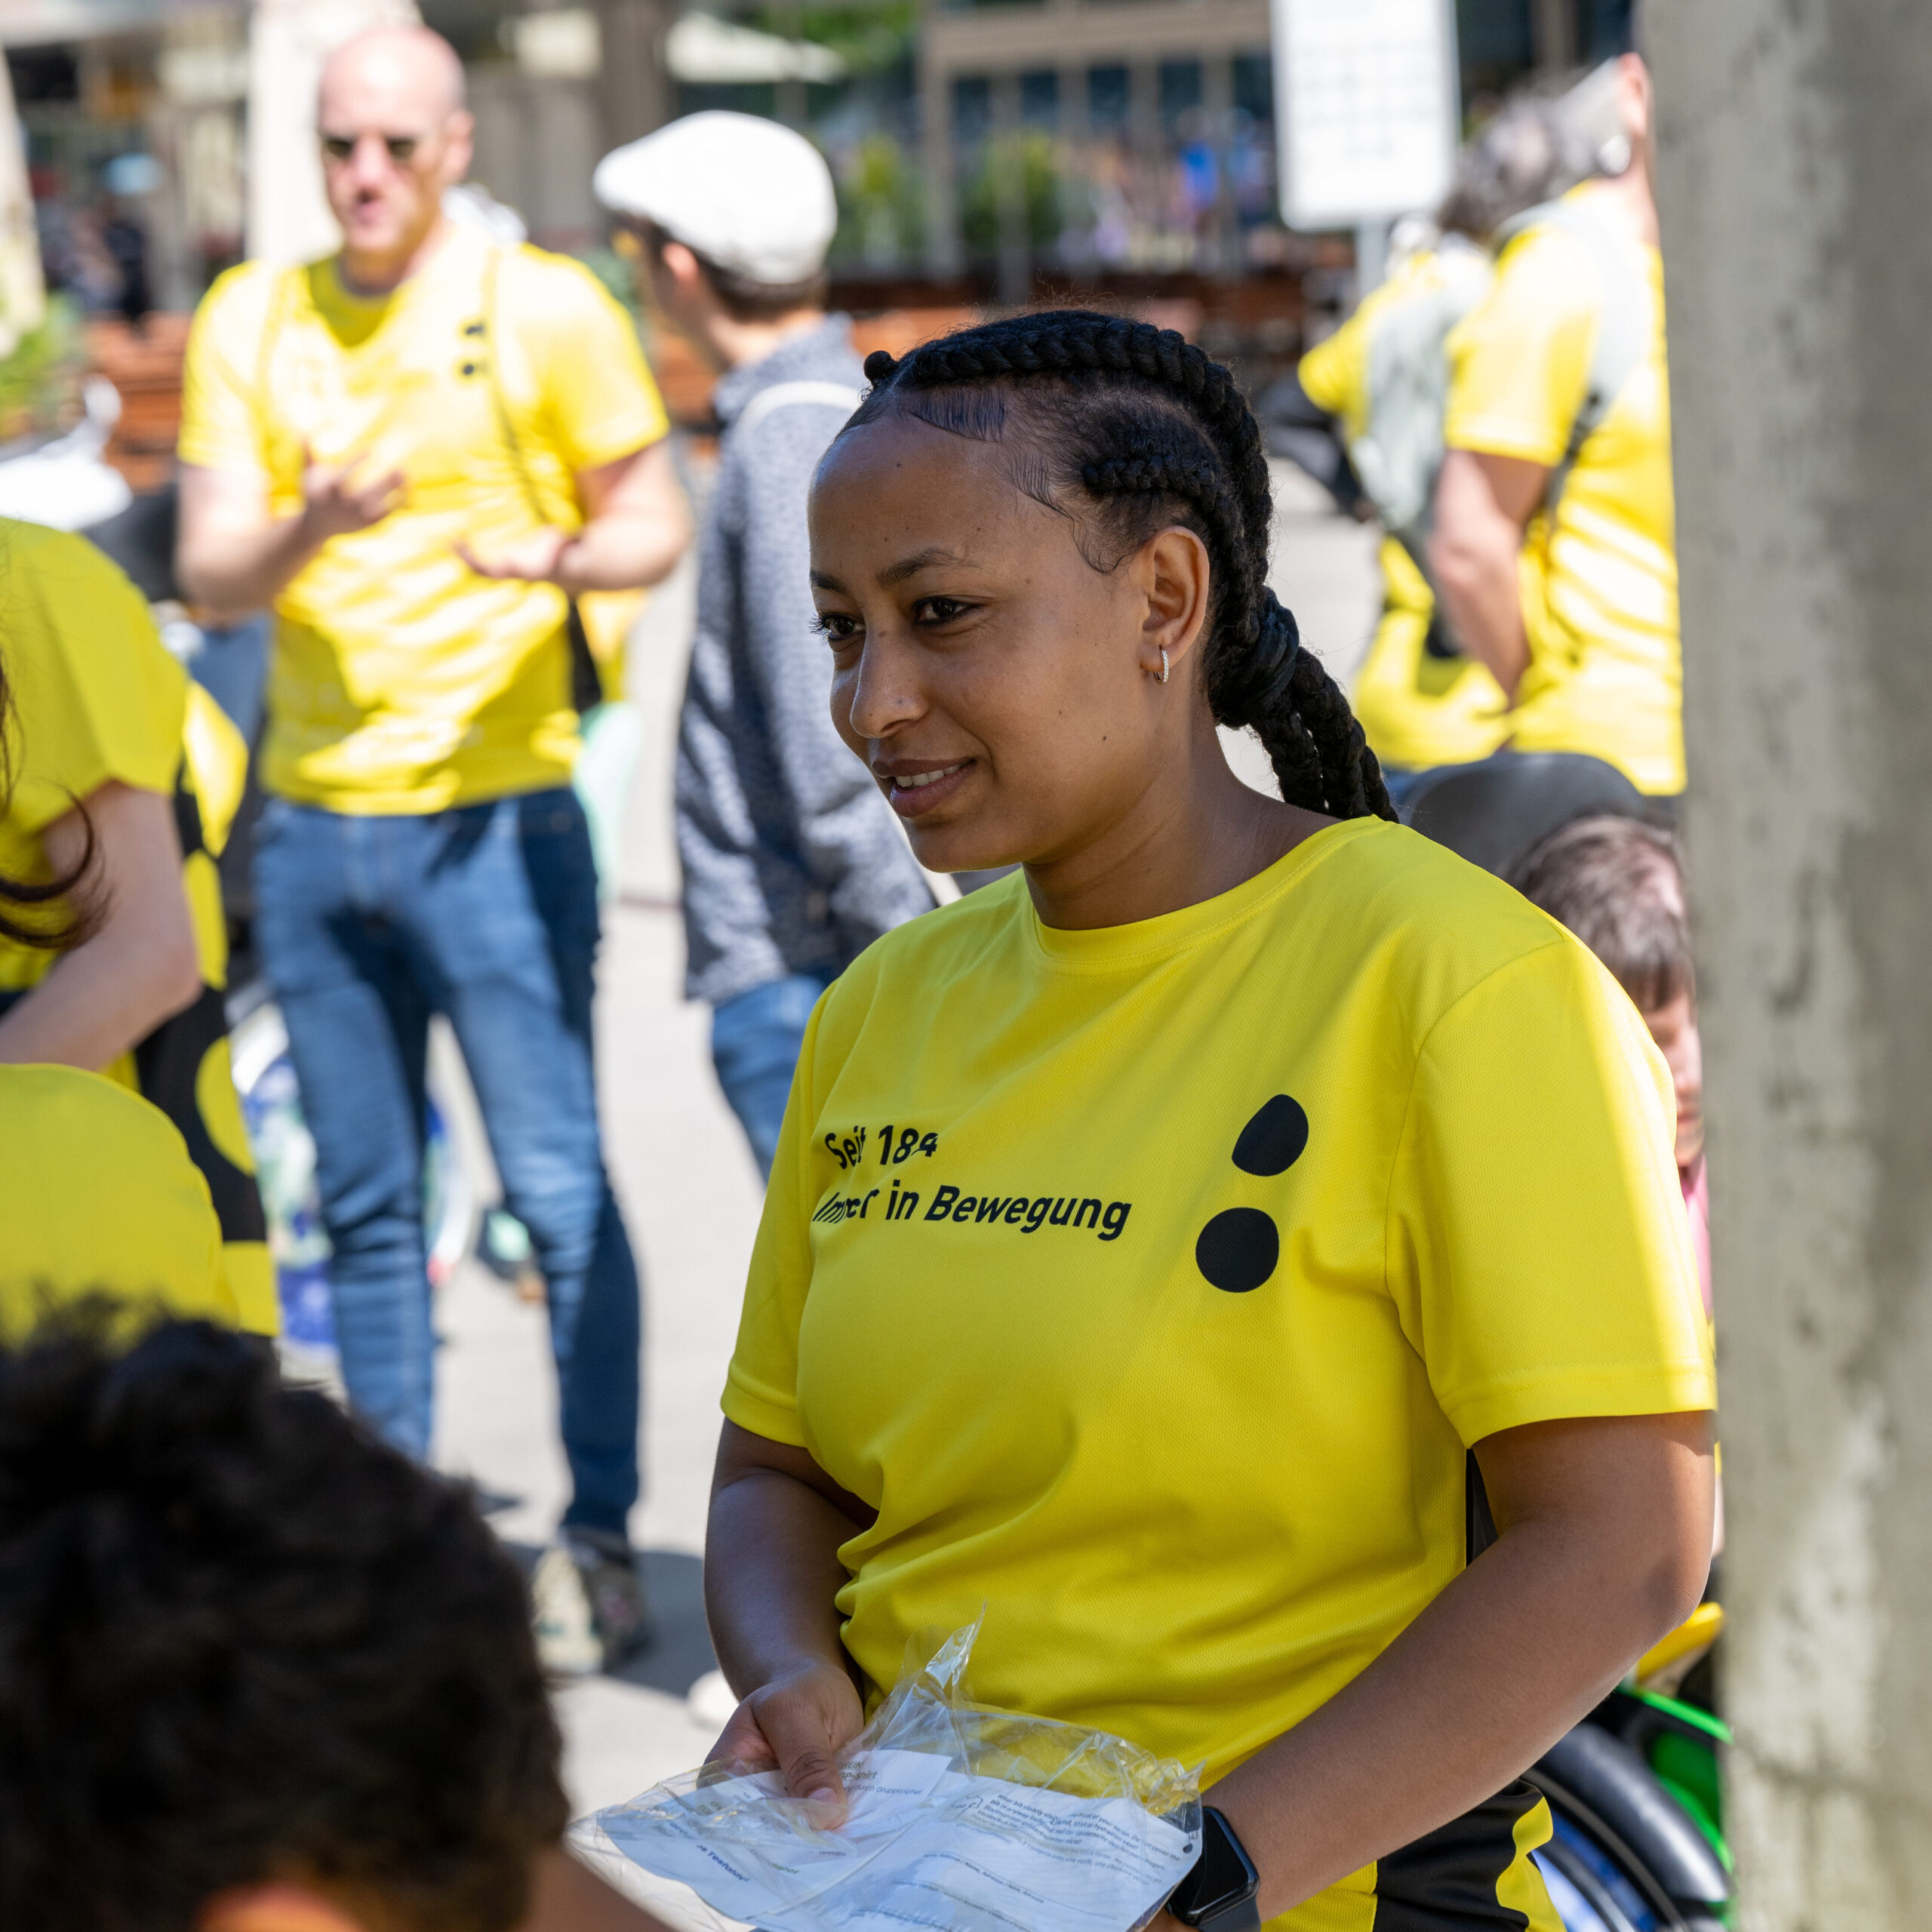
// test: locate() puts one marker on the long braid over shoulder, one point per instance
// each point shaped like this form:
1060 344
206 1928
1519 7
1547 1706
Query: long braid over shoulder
1152 432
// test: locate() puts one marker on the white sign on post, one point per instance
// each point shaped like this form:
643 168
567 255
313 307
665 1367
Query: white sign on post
1367 98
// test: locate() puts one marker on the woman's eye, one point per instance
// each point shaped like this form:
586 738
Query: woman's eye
837 629
941 610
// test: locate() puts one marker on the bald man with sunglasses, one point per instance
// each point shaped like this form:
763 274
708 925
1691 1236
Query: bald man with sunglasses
419 451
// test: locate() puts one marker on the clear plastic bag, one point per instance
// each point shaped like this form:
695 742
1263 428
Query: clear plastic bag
962 1819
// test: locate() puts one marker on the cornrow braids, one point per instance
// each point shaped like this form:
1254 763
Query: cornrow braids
1153 432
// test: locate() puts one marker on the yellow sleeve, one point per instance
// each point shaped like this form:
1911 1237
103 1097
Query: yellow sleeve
1334 373
1520 362
599 400
96 695
221 426
97 1194
1538 1252
761 1391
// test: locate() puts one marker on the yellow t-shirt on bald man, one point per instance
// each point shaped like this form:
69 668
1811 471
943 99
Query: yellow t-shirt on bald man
1154 1282
401 681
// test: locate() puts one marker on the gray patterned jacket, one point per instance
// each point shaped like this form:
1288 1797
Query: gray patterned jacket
791 861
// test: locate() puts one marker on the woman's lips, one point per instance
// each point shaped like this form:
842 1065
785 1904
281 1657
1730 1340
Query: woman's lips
915 794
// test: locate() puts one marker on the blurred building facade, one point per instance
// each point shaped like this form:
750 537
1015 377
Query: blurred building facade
984 149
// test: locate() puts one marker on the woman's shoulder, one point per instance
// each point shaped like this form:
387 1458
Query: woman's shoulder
1431 925
97 1192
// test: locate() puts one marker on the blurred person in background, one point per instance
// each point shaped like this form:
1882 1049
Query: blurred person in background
124 777
792 863
1618 885
1554 547
1381 383
419 450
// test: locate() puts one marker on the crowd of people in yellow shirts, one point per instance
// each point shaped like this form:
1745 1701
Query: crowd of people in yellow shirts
1132 1262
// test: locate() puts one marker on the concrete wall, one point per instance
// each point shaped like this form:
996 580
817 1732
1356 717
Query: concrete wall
1795 166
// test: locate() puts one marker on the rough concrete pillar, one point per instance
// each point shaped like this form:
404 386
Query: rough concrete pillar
1794 141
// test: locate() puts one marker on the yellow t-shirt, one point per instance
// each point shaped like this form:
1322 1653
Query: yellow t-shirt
1415 710
401 681
1600 588
1153 1282
97 698
97 1191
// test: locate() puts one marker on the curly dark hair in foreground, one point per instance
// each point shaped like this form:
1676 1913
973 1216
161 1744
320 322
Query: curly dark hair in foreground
240 1639
1132 429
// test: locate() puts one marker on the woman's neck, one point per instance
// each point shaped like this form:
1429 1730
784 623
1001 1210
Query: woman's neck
1177 846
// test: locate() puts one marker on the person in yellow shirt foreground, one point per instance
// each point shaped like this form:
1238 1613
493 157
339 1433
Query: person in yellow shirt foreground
1554 550
421 450
1170 1246
97 1193
264 1674
126 775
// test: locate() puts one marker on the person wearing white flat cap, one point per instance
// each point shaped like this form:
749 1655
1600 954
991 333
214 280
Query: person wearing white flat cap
792 862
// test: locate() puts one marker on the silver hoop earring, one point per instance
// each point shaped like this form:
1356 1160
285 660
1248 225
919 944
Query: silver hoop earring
1164 664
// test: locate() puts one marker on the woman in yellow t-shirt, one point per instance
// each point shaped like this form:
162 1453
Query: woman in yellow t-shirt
112 753
1172 1246
97 1194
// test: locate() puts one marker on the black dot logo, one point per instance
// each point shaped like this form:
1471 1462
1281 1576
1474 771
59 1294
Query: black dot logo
1240 1247
1271 1143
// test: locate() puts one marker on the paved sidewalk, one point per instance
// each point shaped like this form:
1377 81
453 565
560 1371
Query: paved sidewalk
692 1196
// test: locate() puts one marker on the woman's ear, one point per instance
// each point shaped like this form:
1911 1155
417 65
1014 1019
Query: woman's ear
275 1908
1174 577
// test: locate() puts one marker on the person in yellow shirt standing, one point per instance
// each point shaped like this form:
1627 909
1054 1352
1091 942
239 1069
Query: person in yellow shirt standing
1171 1246
125 771
1382 377
1555 549
421 450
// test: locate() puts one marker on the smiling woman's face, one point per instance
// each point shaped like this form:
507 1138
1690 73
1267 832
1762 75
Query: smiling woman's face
995 682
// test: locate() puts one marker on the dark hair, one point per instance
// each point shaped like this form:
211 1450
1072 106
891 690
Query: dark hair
1527 152
743 300
1618 884
1150 431
31 912
241 1640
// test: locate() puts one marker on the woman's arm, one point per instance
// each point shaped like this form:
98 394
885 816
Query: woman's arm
140 967
1604 1546
771 1572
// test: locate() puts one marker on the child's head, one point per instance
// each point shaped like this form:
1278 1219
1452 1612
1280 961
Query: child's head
1618 884
1016 525
244 1645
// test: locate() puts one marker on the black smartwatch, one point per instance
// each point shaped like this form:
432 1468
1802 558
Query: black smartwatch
1219 1893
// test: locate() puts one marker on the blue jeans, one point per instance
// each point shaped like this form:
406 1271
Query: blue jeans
754 1042
487 913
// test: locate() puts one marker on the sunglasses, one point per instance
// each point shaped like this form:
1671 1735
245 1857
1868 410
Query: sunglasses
338 149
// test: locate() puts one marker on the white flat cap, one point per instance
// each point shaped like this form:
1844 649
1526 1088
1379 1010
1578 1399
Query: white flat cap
746 193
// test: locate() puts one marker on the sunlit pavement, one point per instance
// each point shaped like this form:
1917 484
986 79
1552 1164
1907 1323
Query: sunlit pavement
692 1196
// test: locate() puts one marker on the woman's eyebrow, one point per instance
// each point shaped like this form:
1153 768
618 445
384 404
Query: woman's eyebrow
920 560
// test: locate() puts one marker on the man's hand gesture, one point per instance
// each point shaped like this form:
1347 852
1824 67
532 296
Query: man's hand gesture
334 503
536 559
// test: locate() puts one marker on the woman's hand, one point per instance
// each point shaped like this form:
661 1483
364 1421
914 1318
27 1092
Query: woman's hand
772 1576
797 1723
